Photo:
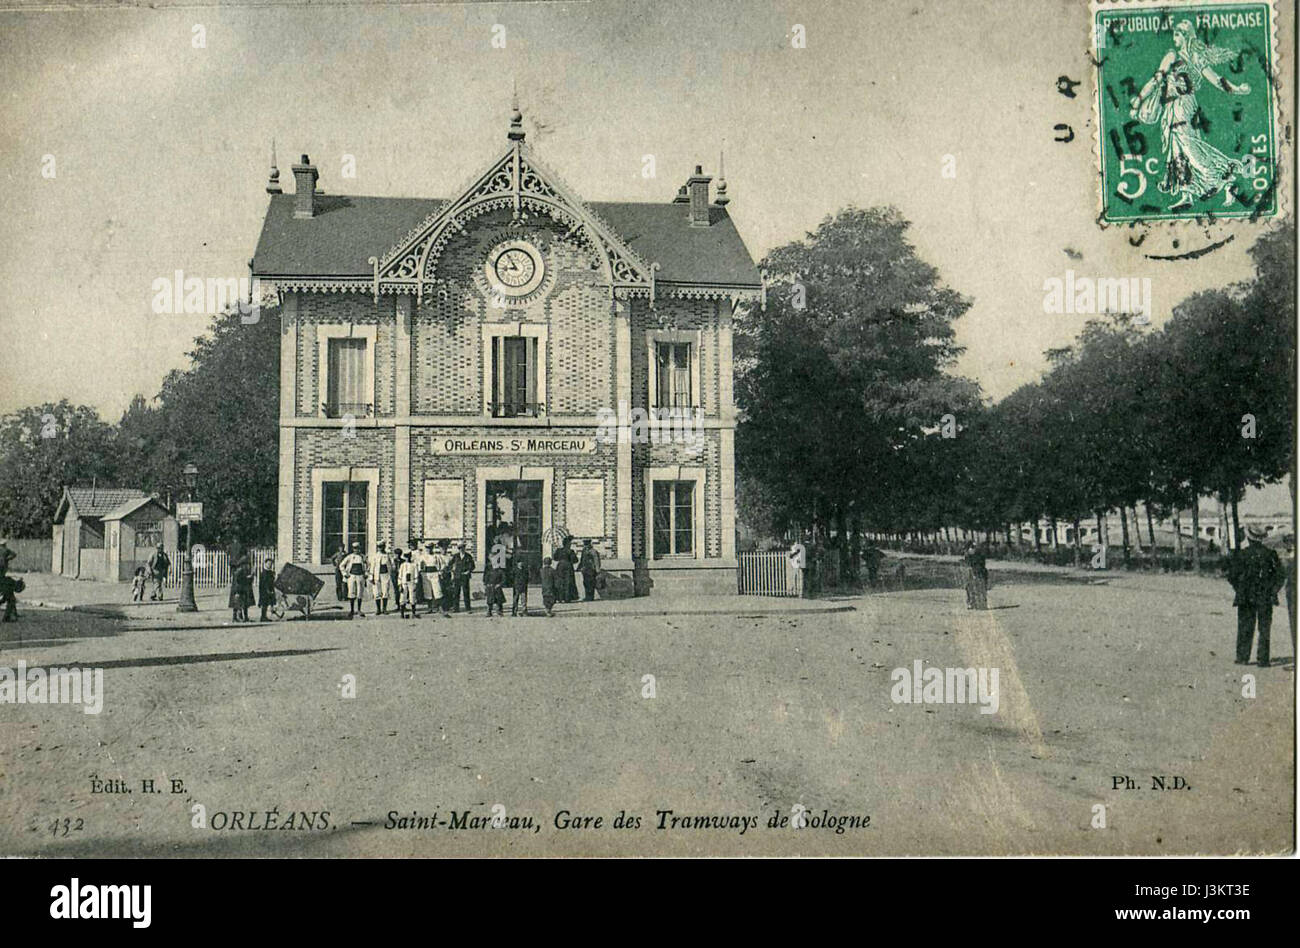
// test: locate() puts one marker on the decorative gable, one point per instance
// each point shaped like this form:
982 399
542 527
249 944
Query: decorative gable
521 184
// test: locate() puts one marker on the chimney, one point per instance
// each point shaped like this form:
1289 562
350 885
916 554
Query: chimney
698 185
304 188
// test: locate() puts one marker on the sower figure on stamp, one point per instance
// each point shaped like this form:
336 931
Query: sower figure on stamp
1256 575
1194 169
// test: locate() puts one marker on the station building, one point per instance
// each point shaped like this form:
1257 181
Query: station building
511 365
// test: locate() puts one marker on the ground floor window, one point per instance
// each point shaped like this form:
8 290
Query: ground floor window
674 518
346 507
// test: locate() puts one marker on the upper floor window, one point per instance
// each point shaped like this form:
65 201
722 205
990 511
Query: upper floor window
673 371
348 385
346 362
674 362
514 376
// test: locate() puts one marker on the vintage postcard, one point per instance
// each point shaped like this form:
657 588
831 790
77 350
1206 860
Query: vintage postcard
711 428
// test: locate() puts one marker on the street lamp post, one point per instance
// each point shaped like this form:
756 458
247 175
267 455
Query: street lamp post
187 603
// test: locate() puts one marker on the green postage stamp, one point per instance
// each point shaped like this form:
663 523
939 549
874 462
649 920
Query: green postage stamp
1186 110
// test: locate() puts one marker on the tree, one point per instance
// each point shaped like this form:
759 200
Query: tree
222 414
845 373
43 448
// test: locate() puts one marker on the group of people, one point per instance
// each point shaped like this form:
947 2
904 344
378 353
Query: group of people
241 588
439 578
433 575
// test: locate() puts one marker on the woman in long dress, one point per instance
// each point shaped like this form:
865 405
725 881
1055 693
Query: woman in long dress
241 582
1194 169
977 578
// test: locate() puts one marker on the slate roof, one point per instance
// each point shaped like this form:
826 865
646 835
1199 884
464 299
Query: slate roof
98 501
347 231
130 507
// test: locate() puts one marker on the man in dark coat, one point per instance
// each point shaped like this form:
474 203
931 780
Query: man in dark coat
1289 540
519 604
462 568
265 588
549 584
975 561
589 566
9 585
158 566
1256 575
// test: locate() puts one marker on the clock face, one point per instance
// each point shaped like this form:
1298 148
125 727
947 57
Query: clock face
514 268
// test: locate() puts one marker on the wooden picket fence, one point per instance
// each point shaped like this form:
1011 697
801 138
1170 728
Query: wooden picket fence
212 567
765 574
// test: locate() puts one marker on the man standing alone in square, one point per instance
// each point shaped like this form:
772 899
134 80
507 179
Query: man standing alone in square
1256 574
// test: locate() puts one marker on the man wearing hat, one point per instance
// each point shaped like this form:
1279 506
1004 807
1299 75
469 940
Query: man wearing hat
382 568
158 566
1256 574
462 568
354 575
1289 542
589 567
430 566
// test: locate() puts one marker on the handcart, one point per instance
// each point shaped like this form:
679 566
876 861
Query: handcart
295 589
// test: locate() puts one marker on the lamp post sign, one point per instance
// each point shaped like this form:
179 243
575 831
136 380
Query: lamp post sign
187 512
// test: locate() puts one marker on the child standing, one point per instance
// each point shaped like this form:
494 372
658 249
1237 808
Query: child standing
519 604
137 585
265 588
407 580
548 585
493 578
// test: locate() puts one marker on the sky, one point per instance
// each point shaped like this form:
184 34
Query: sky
161 149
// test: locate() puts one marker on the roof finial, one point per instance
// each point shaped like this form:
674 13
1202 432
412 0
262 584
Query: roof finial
273 185
721 199
516 133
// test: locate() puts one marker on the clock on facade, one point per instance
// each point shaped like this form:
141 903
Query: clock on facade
514 268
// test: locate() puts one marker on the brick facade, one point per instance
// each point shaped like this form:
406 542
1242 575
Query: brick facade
428 385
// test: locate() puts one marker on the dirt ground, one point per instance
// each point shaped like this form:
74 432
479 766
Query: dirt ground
752 715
